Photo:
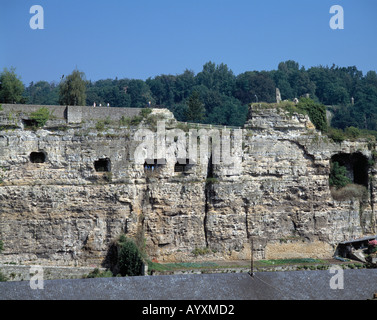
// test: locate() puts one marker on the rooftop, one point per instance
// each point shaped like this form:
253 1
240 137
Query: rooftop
295 285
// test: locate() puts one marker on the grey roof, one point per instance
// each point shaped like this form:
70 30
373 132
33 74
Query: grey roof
289 285
359 239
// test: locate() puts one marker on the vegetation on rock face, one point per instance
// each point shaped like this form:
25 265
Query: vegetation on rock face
2 276
130 261
350 191
41 116
338 176
125 258
96 273
315 111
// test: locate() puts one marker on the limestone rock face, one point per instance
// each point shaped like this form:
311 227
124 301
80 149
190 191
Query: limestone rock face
82 188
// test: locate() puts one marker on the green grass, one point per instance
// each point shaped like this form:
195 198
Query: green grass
289 261
180 266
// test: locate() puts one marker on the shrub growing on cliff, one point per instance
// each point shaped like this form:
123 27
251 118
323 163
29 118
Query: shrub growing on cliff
337 135
315 111
130 260
40 116
350 191
96 273
338 176
2 276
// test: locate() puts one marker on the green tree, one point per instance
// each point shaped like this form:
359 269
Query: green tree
42 93
217 77
11 87
338 176
316 112
195 110
108 92
140 94
183 85
253 86
130 260
72 90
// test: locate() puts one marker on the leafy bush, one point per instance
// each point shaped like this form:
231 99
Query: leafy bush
124 121
200 251
315 111
352 132
3 278
350 191
96 273
145 112
338 176
337 135
136 120
130 260
100 125
41 116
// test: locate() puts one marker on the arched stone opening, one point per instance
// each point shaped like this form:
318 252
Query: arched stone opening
38 157
102 165
356 164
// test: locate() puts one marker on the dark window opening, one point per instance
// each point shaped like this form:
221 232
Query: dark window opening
180 167
38 157
154 164
29 123
183 166
356 164
102 165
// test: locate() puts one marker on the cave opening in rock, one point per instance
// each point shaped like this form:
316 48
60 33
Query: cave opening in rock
38 157
102 165
30 123
356 164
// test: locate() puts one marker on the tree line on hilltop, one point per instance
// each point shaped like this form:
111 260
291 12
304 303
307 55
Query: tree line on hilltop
215 95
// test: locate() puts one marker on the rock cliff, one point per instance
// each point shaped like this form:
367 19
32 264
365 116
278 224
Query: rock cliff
69 189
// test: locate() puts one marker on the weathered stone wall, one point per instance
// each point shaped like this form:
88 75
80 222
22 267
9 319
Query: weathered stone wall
73 114
63 212
26 273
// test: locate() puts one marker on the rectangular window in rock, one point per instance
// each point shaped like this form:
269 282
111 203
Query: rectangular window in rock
38 157
102 165
182 166
152 165
29 123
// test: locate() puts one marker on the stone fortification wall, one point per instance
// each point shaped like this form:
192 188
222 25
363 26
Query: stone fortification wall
73 114
62 210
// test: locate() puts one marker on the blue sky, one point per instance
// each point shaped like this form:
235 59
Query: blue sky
145 38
